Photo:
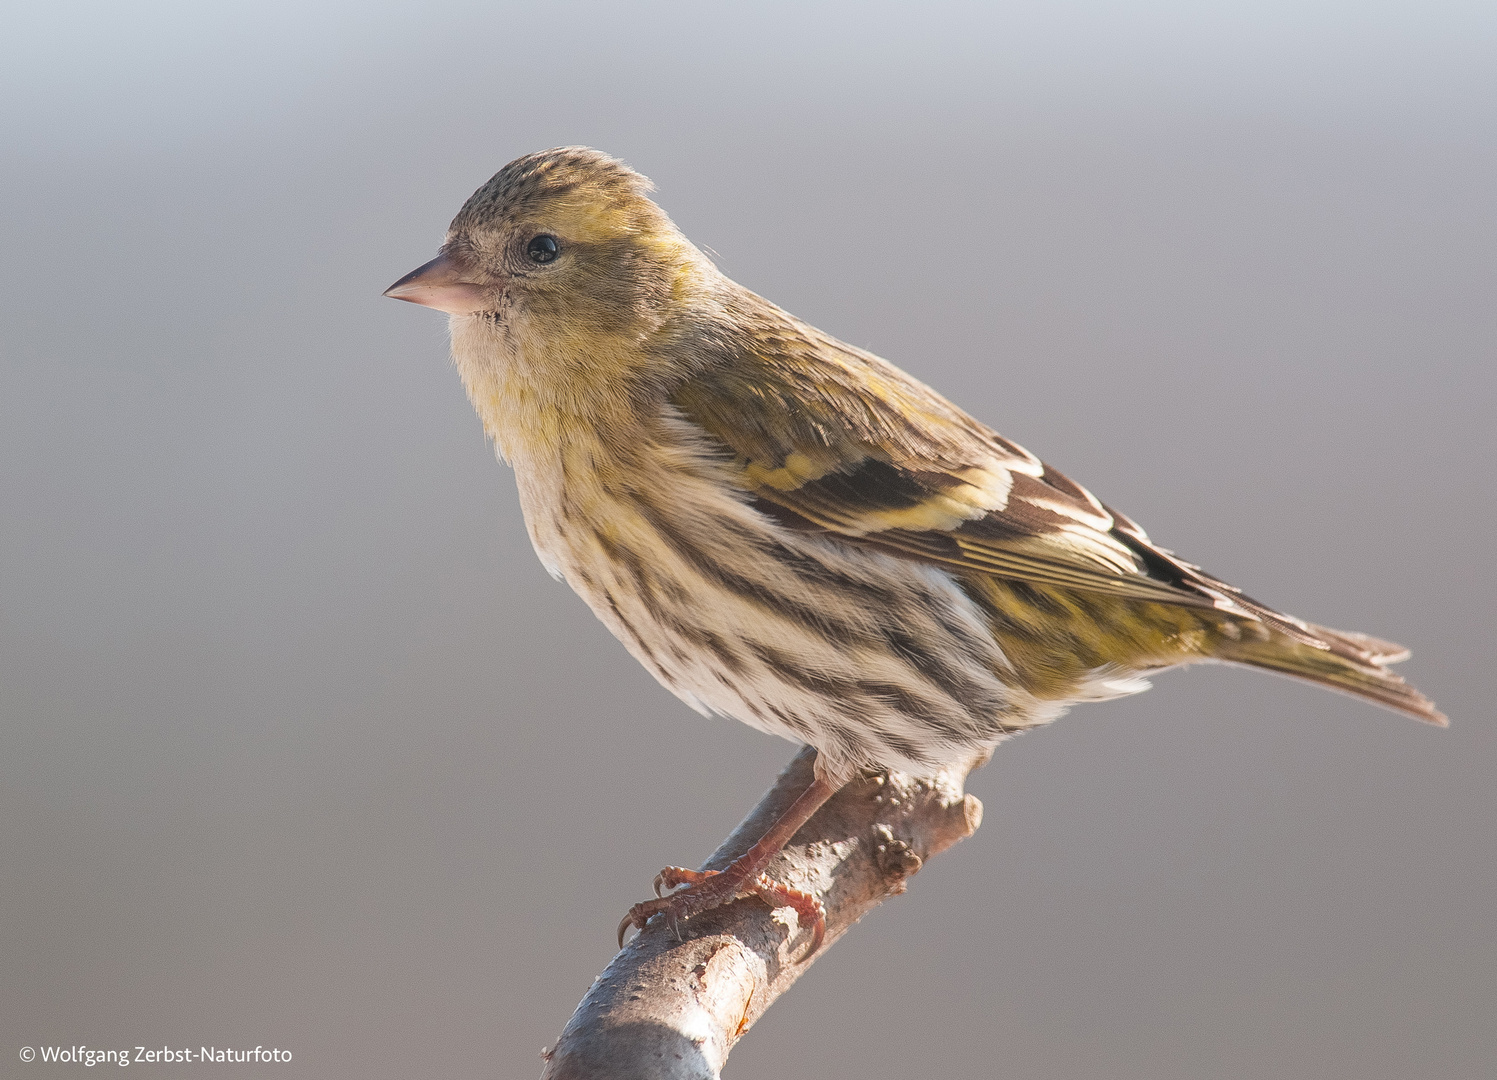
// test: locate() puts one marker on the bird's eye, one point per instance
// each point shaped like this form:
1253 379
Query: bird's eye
543 249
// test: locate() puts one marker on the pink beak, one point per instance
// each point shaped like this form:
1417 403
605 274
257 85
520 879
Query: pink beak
440 284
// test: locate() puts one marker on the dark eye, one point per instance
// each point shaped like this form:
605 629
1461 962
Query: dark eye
543 249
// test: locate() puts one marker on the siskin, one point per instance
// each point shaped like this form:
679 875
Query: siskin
792 532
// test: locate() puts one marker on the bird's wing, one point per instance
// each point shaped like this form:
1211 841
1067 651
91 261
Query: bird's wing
829 438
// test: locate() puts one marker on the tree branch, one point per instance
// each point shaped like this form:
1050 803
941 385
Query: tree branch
671 1010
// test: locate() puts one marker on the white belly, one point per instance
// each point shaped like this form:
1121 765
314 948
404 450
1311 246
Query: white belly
873 660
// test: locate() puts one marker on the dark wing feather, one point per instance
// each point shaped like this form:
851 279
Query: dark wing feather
827 437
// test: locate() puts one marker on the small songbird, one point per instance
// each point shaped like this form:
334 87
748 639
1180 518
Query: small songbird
790 531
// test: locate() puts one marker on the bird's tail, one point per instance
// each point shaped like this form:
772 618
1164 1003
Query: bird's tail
1338 660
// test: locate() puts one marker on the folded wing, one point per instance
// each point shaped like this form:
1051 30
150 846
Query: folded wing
831 439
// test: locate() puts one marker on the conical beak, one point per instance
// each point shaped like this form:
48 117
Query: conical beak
439 284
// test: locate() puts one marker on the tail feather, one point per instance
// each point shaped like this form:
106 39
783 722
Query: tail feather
1364 647
1349 662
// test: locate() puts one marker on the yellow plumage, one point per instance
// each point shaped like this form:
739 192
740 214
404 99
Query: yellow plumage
793 532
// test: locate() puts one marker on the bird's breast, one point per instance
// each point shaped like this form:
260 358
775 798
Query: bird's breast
873 660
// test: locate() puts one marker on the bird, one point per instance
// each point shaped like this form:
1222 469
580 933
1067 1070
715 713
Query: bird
790 531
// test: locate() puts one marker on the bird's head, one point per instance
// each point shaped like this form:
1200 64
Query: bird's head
566 241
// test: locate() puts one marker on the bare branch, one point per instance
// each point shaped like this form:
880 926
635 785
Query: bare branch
671 1010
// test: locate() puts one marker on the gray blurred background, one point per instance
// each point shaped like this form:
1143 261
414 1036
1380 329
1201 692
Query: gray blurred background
302 748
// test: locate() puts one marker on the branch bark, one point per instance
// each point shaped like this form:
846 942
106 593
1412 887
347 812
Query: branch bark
668 1009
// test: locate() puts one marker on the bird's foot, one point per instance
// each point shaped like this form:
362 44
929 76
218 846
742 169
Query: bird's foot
706 889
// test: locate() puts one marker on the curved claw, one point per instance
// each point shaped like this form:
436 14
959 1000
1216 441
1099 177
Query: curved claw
641 914
817 937
808 910
624 927
707 889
